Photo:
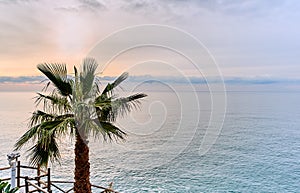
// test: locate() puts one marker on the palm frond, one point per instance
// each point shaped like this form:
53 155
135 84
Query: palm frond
87 76
54 102
57 74
124 105
39 117
108 131
109 110
45 150
113 85
31 134
44 135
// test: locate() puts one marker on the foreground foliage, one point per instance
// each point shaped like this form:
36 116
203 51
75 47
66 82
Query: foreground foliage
5 188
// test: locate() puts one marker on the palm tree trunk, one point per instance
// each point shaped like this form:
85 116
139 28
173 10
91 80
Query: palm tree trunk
82 166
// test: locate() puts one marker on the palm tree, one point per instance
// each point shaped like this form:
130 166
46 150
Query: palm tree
78 108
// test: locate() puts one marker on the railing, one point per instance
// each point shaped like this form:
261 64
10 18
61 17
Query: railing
31 182
105 190
37 184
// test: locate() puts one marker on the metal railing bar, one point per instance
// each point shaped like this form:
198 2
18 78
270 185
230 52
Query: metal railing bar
57 187
5 168
37 187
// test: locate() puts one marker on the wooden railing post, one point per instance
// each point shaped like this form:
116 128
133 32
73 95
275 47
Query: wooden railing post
18 173
26 185
49 181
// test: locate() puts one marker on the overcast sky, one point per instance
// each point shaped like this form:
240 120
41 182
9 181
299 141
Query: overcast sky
255 38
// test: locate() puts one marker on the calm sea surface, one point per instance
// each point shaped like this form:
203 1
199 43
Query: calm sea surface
257 150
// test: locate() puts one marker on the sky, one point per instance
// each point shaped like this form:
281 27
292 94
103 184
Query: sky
248 39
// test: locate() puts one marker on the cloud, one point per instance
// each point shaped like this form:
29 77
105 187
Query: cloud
157 83
238 7
199 7
83 5
246 37
91 3
166 79
227 80
22 79
17 1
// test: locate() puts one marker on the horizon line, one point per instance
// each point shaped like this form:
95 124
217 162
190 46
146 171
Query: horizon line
167 79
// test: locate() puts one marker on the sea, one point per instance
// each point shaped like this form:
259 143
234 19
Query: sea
183 141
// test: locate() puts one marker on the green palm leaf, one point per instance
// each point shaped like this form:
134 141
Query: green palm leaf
57 74
109 109
53 102
45 149
108 130
87 76
44 135
113 85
